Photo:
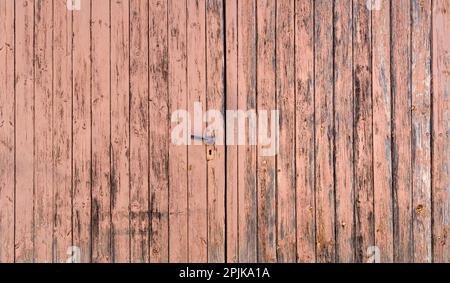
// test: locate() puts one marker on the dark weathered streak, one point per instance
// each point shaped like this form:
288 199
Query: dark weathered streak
304 126
343 120
266 170
324 131
363 144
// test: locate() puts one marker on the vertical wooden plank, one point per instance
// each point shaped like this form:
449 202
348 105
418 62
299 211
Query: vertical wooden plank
285 97
120 135
43 100
401 101
266 93
159 131
382 143
139 158
304 138
62 130
197 167
323 85
215 97
441 130
232 171
101 99
364 217
421 128
343 119
7 121
81 130
247 190
24 116
178 229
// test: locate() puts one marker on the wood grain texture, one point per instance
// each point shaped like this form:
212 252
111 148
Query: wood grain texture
324 132
43 131
421 128
120 131
197 168
24 132
232 150
285 97
139 133
382 132
247 189
305 131
7 131
62 130
441 130
101 131
81 130
178 162
363 121
159 134
215 99
344 133
266 101
401 119
92 96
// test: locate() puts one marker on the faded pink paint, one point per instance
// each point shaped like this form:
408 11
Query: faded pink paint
86 159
